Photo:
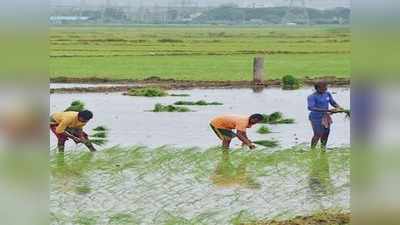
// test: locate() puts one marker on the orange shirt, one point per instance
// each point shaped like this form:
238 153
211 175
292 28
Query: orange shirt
230 122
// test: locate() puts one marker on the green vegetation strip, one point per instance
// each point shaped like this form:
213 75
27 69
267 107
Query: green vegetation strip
200 102
198 53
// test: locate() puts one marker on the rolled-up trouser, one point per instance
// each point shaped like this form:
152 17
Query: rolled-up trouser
223 134
62 138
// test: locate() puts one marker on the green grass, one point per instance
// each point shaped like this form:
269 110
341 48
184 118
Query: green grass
198 53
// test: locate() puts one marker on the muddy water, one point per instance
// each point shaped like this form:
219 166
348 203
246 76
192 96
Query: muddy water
131 124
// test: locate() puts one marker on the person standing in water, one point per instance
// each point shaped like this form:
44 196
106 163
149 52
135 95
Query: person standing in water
318 104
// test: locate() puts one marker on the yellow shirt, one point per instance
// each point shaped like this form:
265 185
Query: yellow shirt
230 122
66 120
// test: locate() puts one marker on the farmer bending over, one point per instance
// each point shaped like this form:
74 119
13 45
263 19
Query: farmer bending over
67 125
223 126
318 104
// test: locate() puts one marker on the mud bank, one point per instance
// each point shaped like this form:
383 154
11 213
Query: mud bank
124 84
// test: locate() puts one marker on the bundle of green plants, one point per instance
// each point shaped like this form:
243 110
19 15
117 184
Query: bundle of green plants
263 130
267 143
99 136
346 111
169 108
276 118
201 103
76 106
290 82
180 95
283 121
147 92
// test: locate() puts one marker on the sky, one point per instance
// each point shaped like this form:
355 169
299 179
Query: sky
320 4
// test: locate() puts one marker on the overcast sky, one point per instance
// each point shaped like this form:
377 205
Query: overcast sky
321 4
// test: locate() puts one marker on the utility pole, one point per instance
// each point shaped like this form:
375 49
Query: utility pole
296 12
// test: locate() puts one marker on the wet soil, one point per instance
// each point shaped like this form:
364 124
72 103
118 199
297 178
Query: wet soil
122 85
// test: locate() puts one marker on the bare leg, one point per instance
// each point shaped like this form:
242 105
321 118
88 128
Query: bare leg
90 146
61 146
314 141
324 140
226 143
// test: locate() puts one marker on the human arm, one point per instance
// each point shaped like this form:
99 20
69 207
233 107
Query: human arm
243 137
333 102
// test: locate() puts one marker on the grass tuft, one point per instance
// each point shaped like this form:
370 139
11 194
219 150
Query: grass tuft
290 82
276 118
147 92
169 108
263 130
76 106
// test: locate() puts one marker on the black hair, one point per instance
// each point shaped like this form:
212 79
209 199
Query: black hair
320 82
85 114
257 116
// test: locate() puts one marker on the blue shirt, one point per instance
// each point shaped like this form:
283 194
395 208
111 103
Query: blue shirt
318 104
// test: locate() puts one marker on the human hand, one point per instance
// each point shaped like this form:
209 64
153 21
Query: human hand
335 110
252 146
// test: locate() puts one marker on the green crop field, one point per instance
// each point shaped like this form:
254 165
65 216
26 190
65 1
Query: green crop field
198 53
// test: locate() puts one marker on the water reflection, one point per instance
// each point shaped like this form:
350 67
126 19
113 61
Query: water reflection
258 88
320 182
226 174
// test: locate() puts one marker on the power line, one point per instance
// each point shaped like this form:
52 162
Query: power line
296 13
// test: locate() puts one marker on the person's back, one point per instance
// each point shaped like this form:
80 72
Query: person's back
66 120
224 124
231 122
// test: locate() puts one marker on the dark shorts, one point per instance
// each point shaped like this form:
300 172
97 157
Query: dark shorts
62 138
223 134
318 127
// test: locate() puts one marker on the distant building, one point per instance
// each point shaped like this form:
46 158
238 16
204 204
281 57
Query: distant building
65 19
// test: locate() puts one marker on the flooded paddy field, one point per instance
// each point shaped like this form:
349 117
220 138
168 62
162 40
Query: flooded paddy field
138 185
166 169
131 123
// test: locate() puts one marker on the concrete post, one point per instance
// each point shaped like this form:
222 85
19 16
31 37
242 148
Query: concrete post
258 70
